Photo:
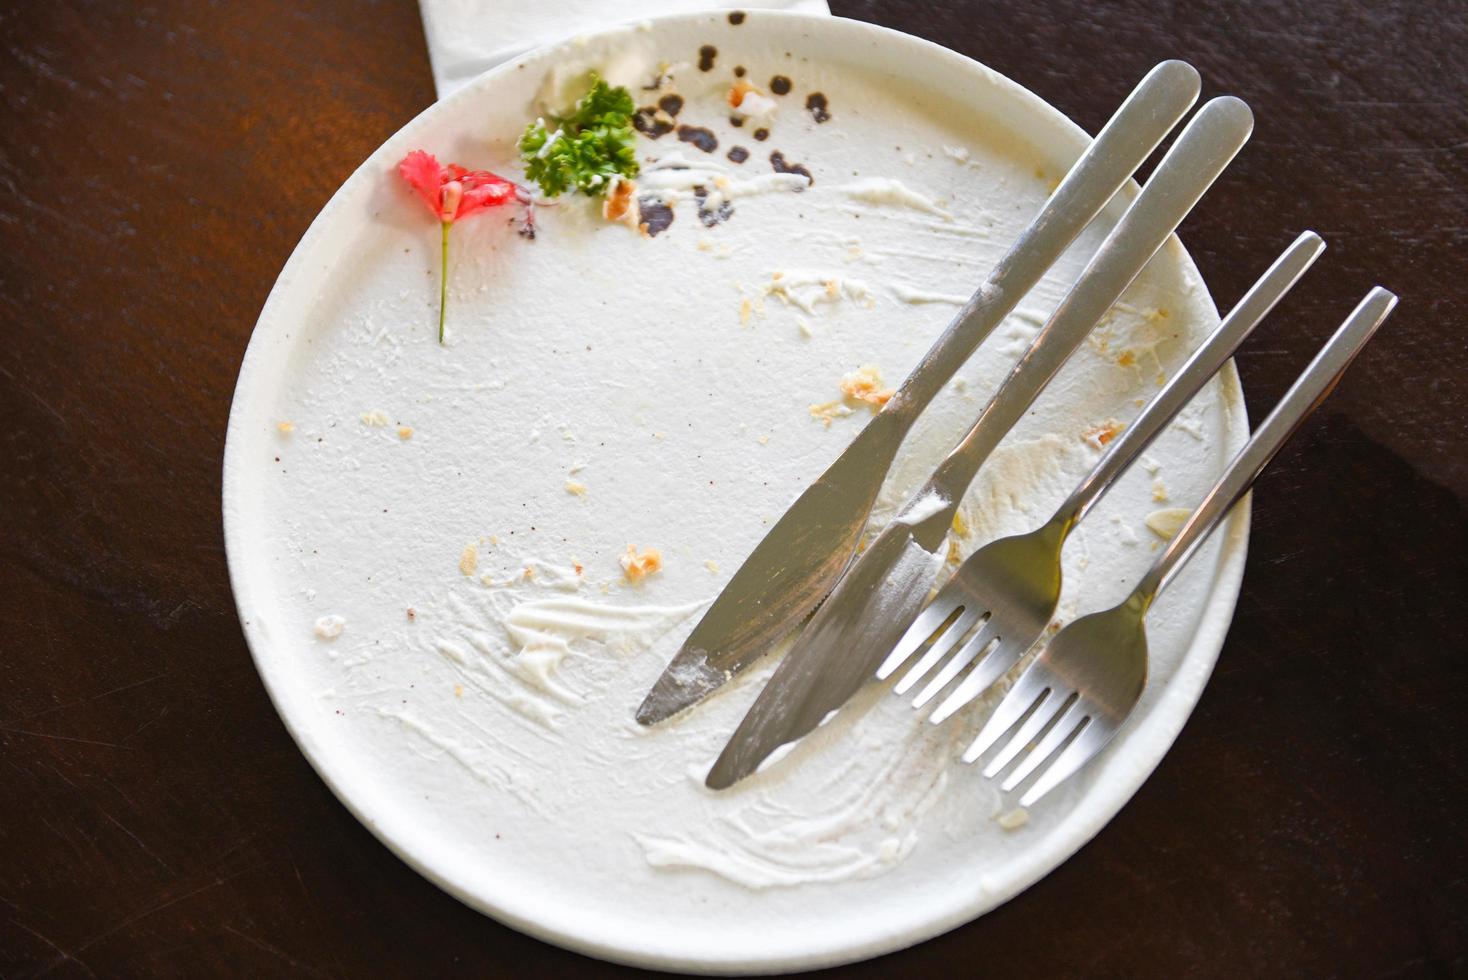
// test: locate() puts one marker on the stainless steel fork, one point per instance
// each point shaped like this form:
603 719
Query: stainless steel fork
1007 590
1090 676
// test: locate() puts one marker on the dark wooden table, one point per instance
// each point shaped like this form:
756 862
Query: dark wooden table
158 163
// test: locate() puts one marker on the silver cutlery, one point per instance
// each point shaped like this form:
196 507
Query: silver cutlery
793 569
1007 590
1090 676
883 590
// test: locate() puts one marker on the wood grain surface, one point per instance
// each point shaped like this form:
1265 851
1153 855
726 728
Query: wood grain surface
159 161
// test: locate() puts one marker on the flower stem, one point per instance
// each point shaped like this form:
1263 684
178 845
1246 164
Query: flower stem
443 280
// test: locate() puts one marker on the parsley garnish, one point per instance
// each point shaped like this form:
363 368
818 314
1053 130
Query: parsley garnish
588 147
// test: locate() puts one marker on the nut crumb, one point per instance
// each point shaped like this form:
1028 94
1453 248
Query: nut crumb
711 565
575 489
637 566
529 572
1013 819
405 432
764 440
746 311
458 690
1159 490
375 419
469 559
285 428
412 615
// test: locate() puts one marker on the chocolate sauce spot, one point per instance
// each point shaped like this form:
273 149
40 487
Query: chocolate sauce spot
780 166
671 104
736 121
738 71
738 154
736 17
780 85
706 56
761 134
646 122
656 216
818 107
710 214
700 137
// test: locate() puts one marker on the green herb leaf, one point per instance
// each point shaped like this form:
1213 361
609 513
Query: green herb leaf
587 148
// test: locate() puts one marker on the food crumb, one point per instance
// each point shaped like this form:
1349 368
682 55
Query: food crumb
375 419
746 310
577 567
637 566
865 385
1101 433
1167 522
764 440
458 690
575 489
825 412
529 572
405 432
620 203
1159 490
960 526
711 565
955 554
285 428
412 615
469 559
1013 819
329 627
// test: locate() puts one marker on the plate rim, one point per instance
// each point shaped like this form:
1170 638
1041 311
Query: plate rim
1162 725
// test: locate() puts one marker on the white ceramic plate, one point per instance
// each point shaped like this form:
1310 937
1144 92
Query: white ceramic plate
487 738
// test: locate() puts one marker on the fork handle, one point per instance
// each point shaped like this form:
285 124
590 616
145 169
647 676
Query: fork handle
1304 396
1204 364
1138 126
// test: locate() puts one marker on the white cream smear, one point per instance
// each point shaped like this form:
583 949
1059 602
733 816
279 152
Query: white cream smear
492 699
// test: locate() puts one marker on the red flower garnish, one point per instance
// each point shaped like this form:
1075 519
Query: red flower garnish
451 193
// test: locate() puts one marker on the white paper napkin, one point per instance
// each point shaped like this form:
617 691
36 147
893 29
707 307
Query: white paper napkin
467 37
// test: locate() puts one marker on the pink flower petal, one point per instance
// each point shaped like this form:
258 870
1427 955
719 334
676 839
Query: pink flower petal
423 173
